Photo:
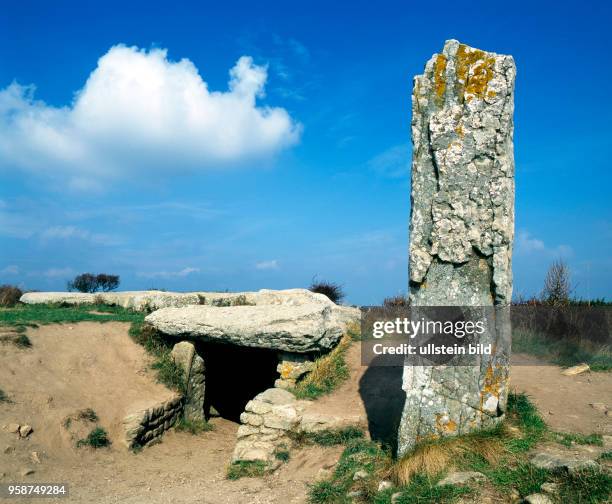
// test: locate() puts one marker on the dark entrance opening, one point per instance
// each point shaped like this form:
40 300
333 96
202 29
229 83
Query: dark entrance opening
234 375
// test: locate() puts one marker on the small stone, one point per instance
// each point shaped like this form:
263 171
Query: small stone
549 488
599 407
354 494
395 497
26 471
13 428
554 461
360 475
538 499
576 370
461 478
25 430
8 449
384 485
276 396
34 457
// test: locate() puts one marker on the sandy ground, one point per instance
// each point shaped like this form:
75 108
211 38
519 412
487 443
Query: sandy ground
71 367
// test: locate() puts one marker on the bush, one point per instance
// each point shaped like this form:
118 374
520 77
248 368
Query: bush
398 301
97 438
88 282
557 284
9 295
246 469
332 290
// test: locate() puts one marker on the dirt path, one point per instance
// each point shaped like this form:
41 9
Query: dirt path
565 401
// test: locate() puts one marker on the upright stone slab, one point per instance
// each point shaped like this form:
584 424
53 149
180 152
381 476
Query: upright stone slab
461 231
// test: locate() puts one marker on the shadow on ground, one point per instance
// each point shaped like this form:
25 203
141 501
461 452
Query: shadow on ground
381 391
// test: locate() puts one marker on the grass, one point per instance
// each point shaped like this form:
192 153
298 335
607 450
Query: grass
22 341
4 398
500 454
564 352
246 469
582 439
28 314
193 426
328 372
97 438
327 437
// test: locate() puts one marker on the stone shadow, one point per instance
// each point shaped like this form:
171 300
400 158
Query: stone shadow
380 389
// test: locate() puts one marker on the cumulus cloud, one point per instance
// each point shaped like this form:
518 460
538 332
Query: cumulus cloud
170 274
140 111
267 265
11 269
527 244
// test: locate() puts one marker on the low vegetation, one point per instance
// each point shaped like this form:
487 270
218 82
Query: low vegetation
332 290
328 372
193 426
246 469
500 454
4 398
9 295
398 301
97 438
88 282
32 315
564 352
168 372
327 437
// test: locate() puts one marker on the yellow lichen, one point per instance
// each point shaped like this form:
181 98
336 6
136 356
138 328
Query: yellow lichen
440 76
445 425
474 72
459 130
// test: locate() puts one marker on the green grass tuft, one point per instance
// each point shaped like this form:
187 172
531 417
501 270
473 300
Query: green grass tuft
244 469
22 341
327 437
97 438
582 439
4 398
328 372
193 426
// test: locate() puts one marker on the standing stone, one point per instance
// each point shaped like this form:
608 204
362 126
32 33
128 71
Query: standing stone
461 232
185 355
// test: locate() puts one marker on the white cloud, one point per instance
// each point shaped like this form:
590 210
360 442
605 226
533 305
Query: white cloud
11 269
392 163
267 265
71 232
139 111
170 274
526 245
58 272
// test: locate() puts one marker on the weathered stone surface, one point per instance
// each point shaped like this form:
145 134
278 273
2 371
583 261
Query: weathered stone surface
154 300
303 328
553 460
576 370
538 499
291 367
461 478
184 354
461 231
148 422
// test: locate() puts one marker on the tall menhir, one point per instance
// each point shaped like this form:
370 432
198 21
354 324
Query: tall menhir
461 232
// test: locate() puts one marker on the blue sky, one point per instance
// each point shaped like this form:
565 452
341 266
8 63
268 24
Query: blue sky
101 171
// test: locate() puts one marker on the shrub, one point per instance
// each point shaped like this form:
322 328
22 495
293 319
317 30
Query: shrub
22 341
9 295
328 372
557 284
88 282
4 398
97 438
248 469
395 301
193 426
332 290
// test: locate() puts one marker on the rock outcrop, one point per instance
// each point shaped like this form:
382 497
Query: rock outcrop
461 231
184 354
299 329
